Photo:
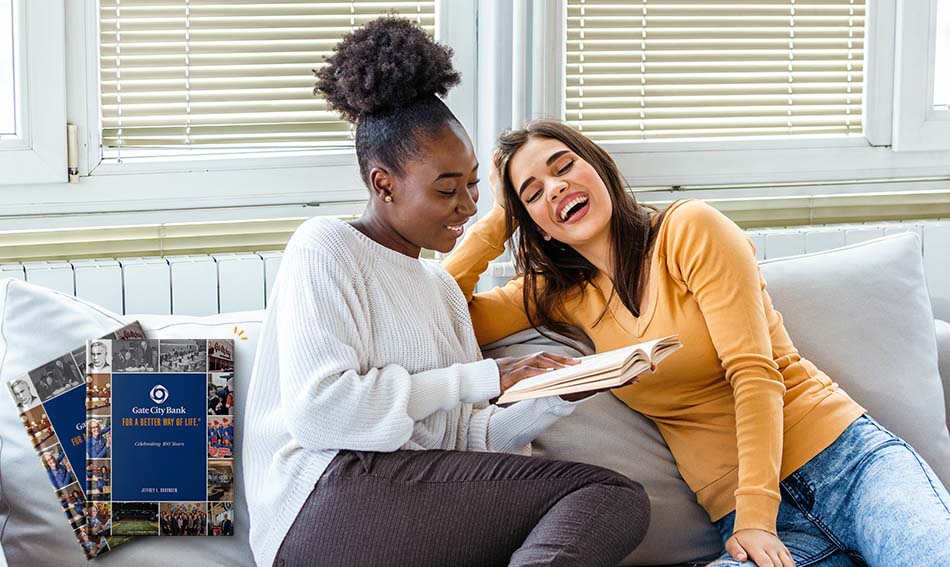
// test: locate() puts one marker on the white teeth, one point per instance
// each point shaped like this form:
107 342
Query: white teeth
454 228
570 205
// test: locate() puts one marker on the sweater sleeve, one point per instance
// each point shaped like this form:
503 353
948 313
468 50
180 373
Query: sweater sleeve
499 312
716 261
329 398
512 429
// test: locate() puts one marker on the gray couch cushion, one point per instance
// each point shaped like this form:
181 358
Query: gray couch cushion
605 432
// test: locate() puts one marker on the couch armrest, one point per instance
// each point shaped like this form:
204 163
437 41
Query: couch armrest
943 360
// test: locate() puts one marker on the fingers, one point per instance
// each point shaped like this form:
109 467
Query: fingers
550 357
545 360
736 550
565 360
761 558
514 375
786 557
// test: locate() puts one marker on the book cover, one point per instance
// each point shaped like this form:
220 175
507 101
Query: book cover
50 402
159 455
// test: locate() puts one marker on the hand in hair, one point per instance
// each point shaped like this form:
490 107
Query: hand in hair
496 182
512 370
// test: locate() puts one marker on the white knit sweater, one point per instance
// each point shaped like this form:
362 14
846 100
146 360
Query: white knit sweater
367 349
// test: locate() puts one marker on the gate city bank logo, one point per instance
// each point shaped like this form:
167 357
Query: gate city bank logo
159 394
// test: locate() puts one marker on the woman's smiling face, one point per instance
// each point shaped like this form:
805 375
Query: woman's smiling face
435 195
562 193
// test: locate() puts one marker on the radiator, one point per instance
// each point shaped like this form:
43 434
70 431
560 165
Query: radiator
181 285
221 283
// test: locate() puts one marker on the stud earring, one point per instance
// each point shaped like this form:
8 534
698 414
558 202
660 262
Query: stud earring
547 237
388 198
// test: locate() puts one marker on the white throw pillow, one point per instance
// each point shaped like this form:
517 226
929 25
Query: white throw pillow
38 324
862 314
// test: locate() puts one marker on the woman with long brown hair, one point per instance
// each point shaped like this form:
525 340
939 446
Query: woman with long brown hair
787 465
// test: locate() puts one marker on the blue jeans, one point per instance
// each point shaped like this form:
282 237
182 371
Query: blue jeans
867 499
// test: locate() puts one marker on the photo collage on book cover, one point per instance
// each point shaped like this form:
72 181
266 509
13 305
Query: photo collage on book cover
108 361
49 400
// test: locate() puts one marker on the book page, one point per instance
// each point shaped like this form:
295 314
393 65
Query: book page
612 364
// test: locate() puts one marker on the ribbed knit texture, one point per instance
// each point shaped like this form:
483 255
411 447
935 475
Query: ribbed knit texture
364 348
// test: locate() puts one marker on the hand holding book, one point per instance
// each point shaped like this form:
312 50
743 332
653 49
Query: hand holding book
514 369
597 372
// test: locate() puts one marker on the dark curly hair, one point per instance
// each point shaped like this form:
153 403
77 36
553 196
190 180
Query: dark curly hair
387 77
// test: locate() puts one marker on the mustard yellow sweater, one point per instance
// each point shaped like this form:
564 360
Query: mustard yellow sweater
738 406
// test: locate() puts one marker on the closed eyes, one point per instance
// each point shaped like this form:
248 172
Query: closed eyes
561 171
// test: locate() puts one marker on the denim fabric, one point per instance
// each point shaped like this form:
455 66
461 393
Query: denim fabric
867 499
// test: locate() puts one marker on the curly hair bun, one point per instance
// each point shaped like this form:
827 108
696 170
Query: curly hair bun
388 63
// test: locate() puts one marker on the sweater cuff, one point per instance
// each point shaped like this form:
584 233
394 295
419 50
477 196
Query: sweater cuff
442 389
480 381
756 512
558 406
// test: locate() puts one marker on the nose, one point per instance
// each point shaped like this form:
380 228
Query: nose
466 205
555 189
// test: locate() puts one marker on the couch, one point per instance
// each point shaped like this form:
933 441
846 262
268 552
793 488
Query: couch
861 313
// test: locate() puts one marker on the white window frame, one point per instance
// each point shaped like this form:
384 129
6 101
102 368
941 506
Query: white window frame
265 185
917 124
681 166
37 153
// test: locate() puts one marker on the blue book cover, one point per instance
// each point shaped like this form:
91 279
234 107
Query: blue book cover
50 400
160 422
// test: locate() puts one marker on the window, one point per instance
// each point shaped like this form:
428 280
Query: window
736 100
8 104
942 57
265 175
653 70
32 93
203 75
922 115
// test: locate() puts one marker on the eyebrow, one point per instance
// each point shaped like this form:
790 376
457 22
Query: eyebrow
452 175
551 159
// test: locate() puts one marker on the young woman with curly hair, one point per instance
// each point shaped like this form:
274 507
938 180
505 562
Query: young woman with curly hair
369 436
787 465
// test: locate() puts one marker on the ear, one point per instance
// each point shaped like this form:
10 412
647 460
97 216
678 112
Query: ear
381 183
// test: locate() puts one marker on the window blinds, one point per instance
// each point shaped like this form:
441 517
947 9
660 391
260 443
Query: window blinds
678 69
226 74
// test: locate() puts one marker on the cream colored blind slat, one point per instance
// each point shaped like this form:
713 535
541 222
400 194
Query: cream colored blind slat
679 69
226 73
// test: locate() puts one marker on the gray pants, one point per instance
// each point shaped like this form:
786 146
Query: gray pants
452 508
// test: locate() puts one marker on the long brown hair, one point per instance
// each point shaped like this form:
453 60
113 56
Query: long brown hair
553 270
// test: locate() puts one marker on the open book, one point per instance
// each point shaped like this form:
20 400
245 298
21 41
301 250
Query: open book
595 372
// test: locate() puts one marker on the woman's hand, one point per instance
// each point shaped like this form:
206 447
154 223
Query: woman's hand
496 183
765 549
512 370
